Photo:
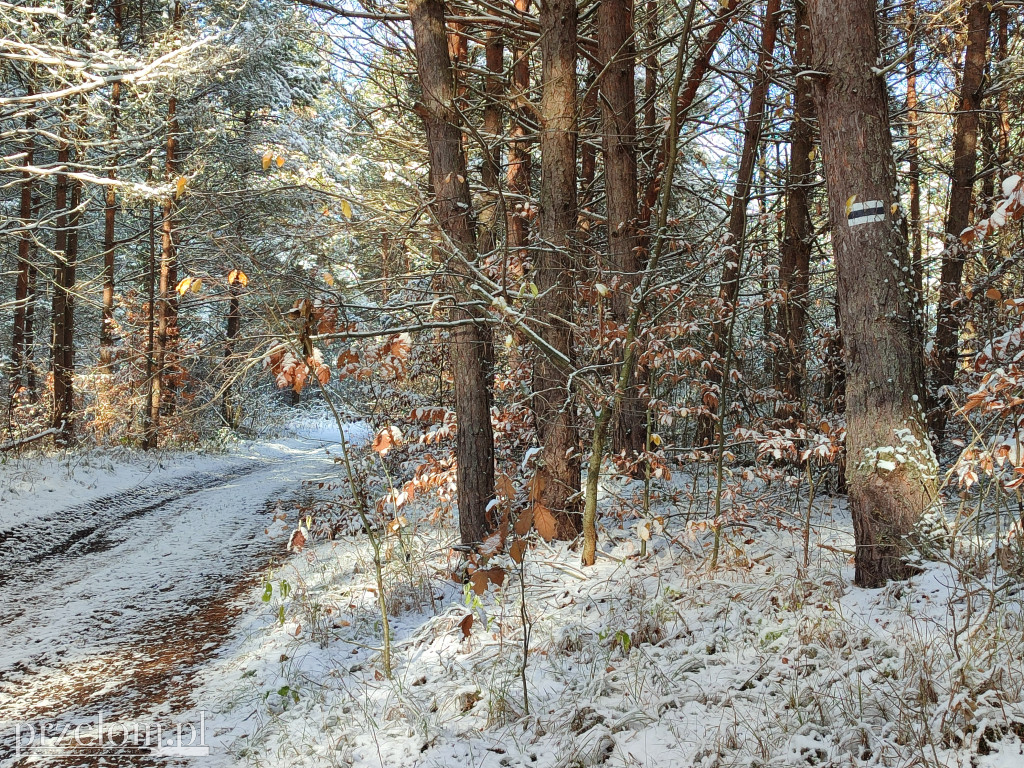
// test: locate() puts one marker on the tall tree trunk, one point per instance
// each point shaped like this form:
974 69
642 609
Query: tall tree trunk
588 149
109 214
494 90
62 314
914 158
890 468
452 206
22 290
519 161
616 50
150 428
733 251
230 411
794 266
965 158
167 306
165 342
554 261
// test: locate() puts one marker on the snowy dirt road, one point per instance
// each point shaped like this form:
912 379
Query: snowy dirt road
113 605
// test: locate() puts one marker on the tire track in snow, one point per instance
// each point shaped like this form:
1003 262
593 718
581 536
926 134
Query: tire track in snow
117 604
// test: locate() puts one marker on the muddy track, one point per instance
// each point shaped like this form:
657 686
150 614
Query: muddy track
94 526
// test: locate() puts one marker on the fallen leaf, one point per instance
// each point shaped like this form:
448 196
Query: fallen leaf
466 625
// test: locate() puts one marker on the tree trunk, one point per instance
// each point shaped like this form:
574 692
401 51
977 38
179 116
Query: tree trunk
733 251
494 90
167 309
150 427
230 410
109 214
519 161
890 468
472 344
914 159
794 266
616 51
965 156
22 290
553 263
62 315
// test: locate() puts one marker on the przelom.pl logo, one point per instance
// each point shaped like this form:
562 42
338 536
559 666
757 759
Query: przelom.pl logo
97 736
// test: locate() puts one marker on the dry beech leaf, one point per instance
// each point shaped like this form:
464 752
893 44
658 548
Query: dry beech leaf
517 550
504 486
994 294
544 522
466 625
479 583
524 523
495 575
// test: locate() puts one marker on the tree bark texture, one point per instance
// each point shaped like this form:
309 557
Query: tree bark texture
795 261
554 260
617 53
472 348
890 468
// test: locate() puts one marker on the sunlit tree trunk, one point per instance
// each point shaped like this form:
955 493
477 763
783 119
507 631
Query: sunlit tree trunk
914 157
109 216
890 468
23 286
452 207
617 54
230 409
555 257
794 266
62 309
519 160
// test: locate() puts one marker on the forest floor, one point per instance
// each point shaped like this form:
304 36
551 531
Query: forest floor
165 593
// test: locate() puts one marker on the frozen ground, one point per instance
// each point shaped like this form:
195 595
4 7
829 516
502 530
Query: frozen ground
169 608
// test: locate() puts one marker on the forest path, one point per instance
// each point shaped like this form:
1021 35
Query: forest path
113 606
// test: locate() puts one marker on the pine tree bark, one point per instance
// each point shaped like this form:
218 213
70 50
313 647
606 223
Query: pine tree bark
519 159
493 129
109 217
230 410
914 157
62 310
167 305
794 266
23 285
554 260
452 207
733 251
890 468
616 50
961 190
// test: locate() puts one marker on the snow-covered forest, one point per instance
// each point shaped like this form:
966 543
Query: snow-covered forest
512 383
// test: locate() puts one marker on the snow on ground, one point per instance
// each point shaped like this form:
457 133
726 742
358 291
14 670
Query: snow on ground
120 577
652 660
